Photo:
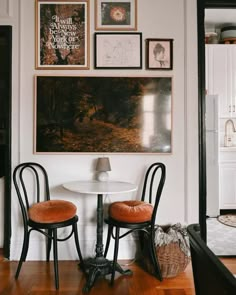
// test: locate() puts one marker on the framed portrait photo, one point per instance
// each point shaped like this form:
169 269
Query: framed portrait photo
159 54
62 34
116 15
118 50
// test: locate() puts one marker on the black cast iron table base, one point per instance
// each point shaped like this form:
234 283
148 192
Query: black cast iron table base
100 267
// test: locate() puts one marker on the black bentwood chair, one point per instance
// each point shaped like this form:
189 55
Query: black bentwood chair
138 216
42 214
210 275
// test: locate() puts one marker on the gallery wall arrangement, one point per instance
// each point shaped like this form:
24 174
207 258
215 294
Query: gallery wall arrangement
100 113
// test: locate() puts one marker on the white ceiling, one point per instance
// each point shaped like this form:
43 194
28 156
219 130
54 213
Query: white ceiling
219 18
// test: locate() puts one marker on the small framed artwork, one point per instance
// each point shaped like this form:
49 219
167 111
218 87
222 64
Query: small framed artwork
159 54
62 34
116 15
118 50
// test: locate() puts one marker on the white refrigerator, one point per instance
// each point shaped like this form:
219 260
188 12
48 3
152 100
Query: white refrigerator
212 155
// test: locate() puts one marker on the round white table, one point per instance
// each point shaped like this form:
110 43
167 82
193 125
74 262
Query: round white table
99 266
99 187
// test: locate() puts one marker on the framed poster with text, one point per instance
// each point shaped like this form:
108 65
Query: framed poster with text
62 34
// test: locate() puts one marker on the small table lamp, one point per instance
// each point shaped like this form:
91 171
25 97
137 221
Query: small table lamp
103 165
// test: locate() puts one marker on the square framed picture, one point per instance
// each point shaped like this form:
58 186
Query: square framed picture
118 50
62 34
116 15
159 54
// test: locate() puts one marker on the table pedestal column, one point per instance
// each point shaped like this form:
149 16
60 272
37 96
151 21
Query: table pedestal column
99 265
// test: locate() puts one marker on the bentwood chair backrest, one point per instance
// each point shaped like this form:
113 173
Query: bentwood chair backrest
153 185
38 186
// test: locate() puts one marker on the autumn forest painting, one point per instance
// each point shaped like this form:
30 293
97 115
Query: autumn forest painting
103 114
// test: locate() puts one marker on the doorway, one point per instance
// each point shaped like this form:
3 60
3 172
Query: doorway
5 134
202 5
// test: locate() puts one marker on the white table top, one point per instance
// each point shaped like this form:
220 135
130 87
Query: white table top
99 187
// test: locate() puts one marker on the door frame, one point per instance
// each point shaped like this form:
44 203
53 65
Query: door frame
201 6
6 32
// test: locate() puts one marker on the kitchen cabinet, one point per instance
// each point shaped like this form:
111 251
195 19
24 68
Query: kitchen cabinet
228 185
221 76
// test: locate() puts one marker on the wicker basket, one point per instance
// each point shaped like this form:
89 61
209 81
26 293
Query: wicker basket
172 260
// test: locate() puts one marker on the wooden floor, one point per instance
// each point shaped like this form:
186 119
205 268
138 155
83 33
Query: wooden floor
37 278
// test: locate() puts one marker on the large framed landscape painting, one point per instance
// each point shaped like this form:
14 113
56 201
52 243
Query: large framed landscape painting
103 114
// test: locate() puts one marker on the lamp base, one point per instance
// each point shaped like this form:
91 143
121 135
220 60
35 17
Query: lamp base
102 176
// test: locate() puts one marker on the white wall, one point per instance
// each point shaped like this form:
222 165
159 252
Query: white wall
156 19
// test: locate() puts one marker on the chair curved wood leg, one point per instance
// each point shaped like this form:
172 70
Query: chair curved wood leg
55 258
49 244
110 228
154 259
78 246
117 234
24 252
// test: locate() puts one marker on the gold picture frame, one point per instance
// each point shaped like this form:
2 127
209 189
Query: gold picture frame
116 15
62 34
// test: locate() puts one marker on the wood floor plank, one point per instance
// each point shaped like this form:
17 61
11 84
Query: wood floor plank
37 278
230 264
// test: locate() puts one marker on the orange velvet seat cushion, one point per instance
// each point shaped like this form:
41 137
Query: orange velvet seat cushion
52 211
131 211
